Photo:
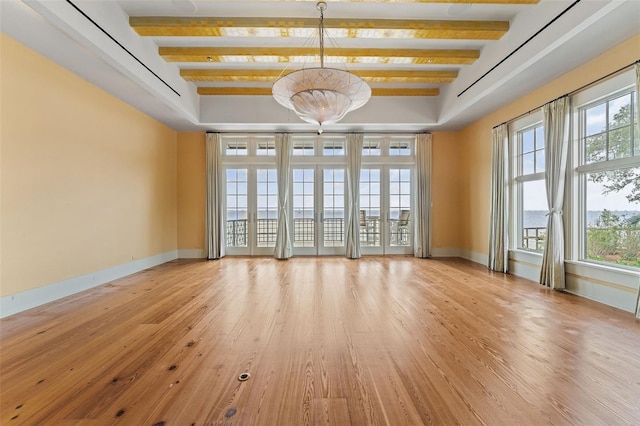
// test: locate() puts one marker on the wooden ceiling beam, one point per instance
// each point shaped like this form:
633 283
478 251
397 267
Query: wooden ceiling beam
388 28
270 75
266 91
220 54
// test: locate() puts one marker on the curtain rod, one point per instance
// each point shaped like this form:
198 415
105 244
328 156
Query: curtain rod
427 132
573 92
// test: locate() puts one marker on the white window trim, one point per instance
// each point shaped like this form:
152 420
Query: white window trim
575 193
532 120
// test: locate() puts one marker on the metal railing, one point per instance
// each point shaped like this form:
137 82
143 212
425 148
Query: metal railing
533 238
304 232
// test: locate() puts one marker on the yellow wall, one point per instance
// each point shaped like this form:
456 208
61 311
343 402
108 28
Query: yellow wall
476 138
191 190
446 185
88 182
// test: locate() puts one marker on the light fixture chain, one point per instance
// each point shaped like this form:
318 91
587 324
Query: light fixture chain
321 6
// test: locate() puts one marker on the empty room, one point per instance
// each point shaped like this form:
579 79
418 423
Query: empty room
391 212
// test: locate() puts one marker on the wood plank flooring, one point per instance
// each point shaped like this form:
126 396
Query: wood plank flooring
377 341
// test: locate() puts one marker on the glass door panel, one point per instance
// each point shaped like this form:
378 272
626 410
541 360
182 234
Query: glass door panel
370 211
333 215
266 211
237 213
304 214
400 226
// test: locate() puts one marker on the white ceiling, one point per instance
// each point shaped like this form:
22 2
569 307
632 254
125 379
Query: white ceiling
56 29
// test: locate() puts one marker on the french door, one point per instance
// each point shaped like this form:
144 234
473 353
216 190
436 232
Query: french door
318 203
318 209
251 210
386 223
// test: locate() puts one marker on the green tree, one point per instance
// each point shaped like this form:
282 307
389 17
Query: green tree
603 240
619 146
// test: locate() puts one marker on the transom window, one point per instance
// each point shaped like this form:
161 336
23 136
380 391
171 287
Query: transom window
266 147
235 148
400 147
333 148
303 147
371 147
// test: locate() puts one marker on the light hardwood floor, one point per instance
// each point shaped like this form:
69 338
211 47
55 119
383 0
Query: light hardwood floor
380 340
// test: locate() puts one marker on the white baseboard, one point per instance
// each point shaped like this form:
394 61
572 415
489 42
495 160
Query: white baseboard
22 301
473 256
191 254
525 264
617 288
445 252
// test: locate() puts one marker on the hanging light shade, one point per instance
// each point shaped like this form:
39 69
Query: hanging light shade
321 95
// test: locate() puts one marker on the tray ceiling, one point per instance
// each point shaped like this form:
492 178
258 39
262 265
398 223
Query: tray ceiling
244 55
210 64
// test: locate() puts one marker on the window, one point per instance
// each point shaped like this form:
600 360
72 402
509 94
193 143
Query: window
304 224
371 147
530 191
609 176
266 147
400 147
303 147
267 212
399 206
237 207
333 148
235 148
333 220
317 199
370 207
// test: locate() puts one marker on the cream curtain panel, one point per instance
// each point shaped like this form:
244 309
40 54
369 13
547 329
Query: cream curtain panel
638 117
354 163
556 138
284 150
214 222
422 244
498 255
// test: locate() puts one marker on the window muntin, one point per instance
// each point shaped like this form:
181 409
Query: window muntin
399 207
333 148
235 148
608 129
371 148
266 147
532 150
237 197
304 224
267 207
400 147
303 147
333 201
370 207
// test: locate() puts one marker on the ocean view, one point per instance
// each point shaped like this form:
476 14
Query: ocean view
538 218
532 218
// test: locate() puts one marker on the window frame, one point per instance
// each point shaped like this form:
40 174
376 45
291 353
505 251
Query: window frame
604 92
532 122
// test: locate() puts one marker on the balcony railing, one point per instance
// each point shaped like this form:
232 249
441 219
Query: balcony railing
533 238
304 232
